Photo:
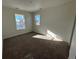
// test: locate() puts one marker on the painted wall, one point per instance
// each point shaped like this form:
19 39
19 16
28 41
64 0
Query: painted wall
72 54
9 24
58 19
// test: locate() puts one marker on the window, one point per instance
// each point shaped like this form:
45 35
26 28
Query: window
37 19
20 21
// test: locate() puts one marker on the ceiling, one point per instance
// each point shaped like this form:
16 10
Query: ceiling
32 5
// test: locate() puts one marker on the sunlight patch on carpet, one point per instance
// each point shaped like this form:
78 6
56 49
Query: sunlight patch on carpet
49 36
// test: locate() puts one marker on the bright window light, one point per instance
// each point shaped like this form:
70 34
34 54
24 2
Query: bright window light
42 37
49 36
37 19
20 21
53 35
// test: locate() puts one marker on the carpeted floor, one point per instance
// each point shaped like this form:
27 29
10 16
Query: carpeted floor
26 47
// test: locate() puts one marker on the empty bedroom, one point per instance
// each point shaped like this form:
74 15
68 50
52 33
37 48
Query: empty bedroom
38 29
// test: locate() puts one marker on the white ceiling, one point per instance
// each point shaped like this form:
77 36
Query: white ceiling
32 5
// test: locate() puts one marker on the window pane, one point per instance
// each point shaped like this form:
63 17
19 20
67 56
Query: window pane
37 19
20 21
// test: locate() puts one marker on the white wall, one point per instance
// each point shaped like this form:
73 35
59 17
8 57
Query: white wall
72 53
9 24
58 19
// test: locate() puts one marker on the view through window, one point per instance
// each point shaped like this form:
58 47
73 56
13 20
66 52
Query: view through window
37 19
20 21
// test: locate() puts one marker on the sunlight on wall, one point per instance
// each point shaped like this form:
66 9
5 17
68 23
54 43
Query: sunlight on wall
49 36
53 35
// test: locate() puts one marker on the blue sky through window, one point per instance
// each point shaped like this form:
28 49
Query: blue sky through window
20 21
37 19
